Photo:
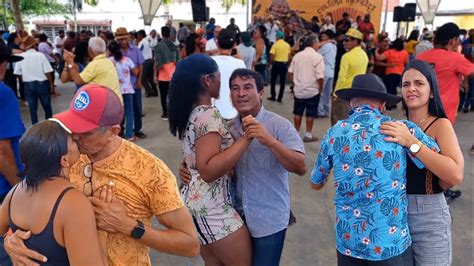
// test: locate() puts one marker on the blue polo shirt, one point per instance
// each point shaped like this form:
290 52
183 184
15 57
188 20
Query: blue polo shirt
11 128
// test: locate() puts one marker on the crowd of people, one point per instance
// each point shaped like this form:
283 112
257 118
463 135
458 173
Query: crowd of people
81 168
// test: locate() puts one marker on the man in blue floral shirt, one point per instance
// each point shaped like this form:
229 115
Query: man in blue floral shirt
369 174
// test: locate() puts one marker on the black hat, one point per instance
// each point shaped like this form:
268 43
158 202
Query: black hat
370 86
447 32
5 54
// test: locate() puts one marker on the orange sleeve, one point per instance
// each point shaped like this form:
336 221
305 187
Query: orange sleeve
161 188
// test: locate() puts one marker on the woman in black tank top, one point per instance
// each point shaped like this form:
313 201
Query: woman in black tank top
429 218
60 218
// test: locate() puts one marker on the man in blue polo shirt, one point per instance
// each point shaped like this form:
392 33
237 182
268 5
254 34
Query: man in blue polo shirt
11 129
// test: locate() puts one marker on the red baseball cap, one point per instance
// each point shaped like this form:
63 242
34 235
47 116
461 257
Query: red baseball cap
92 106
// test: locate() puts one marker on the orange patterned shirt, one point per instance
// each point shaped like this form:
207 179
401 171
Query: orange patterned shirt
145 185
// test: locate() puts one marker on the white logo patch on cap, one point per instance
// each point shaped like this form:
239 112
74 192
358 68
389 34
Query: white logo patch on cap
82 101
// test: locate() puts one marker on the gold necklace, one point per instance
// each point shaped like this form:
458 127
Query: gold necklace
423 120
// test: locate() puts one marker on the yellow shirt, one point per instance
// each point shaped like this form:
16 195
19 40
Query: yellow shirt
353 63
410 46
102 71
281 51
145 185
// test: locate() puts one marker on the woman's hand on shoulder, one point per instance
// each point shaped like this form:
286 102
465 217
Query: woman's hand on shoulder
397 132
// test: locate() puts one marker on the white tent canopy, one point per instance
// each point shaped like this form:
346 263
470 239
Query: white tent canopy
428 9
149 8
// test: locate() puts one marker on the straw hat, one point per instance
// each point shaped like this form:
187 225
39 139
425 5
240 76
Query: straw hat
121 33
354 34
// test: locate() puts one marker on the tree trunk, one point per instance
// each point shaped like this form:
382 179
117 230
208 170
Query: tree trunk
15 5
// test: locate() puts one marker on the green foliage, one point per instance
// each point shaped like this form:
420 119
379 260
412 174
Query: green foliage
229 3
91 2
42 7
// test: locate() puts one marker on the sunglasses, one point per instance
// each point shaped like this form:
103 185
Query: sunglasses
87 189
347 40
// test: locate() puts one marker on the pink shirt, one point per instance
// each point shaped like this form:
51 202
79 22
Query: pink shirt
307 67
449 66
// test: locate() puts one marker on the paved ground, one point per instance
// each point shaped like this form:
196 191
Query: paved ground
311 240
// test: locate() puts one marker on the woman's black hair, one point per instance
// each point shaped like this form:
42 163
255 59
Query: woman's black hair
109 36
43 37
263 30
11 38
185 88
398 44
81 53
41 149
114 49
435 106
190 44
414 35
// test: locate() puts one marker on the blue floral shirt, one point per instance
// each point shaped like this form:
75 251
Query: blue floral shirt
369 174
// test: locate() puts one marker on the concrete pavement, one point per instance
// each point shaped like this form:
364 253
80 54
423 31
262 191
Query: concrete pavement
311 240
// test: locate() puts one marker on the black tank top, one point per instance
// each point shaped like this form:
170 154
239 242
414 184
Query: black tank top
44 242
422 181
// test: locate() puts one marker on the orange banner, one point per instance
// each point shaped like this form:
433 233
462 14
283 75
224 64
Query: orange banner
302 11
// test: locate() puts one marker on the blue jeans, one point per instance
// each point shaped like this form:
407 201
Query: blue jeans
267 250
467 99
35 90
137 110
128 108
325 100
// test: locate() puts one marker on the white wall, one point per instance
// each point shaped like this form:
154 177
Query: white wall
127 13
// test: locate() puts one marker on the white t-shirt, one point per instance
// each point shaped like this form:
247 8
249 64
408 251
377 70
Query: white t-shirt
271 31
124 69
227 65
326 27
58 41
145 47
211 45
33 67
248 55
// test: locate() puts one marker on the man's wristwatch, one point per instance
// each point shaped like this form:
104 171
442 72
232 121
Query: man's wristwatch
415 147
138 231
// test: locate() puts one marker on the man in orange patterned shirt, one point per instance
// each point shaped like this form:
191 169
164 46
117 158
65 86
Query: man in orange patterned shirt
128 186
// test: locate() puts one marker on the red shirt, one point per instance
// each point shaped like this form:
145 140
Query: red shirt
449 66
366 28
399 58
166 71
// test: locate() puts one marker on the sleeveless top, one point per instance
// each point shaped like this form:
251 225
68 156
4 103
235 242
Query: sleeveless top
263 57
44 242
422 181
